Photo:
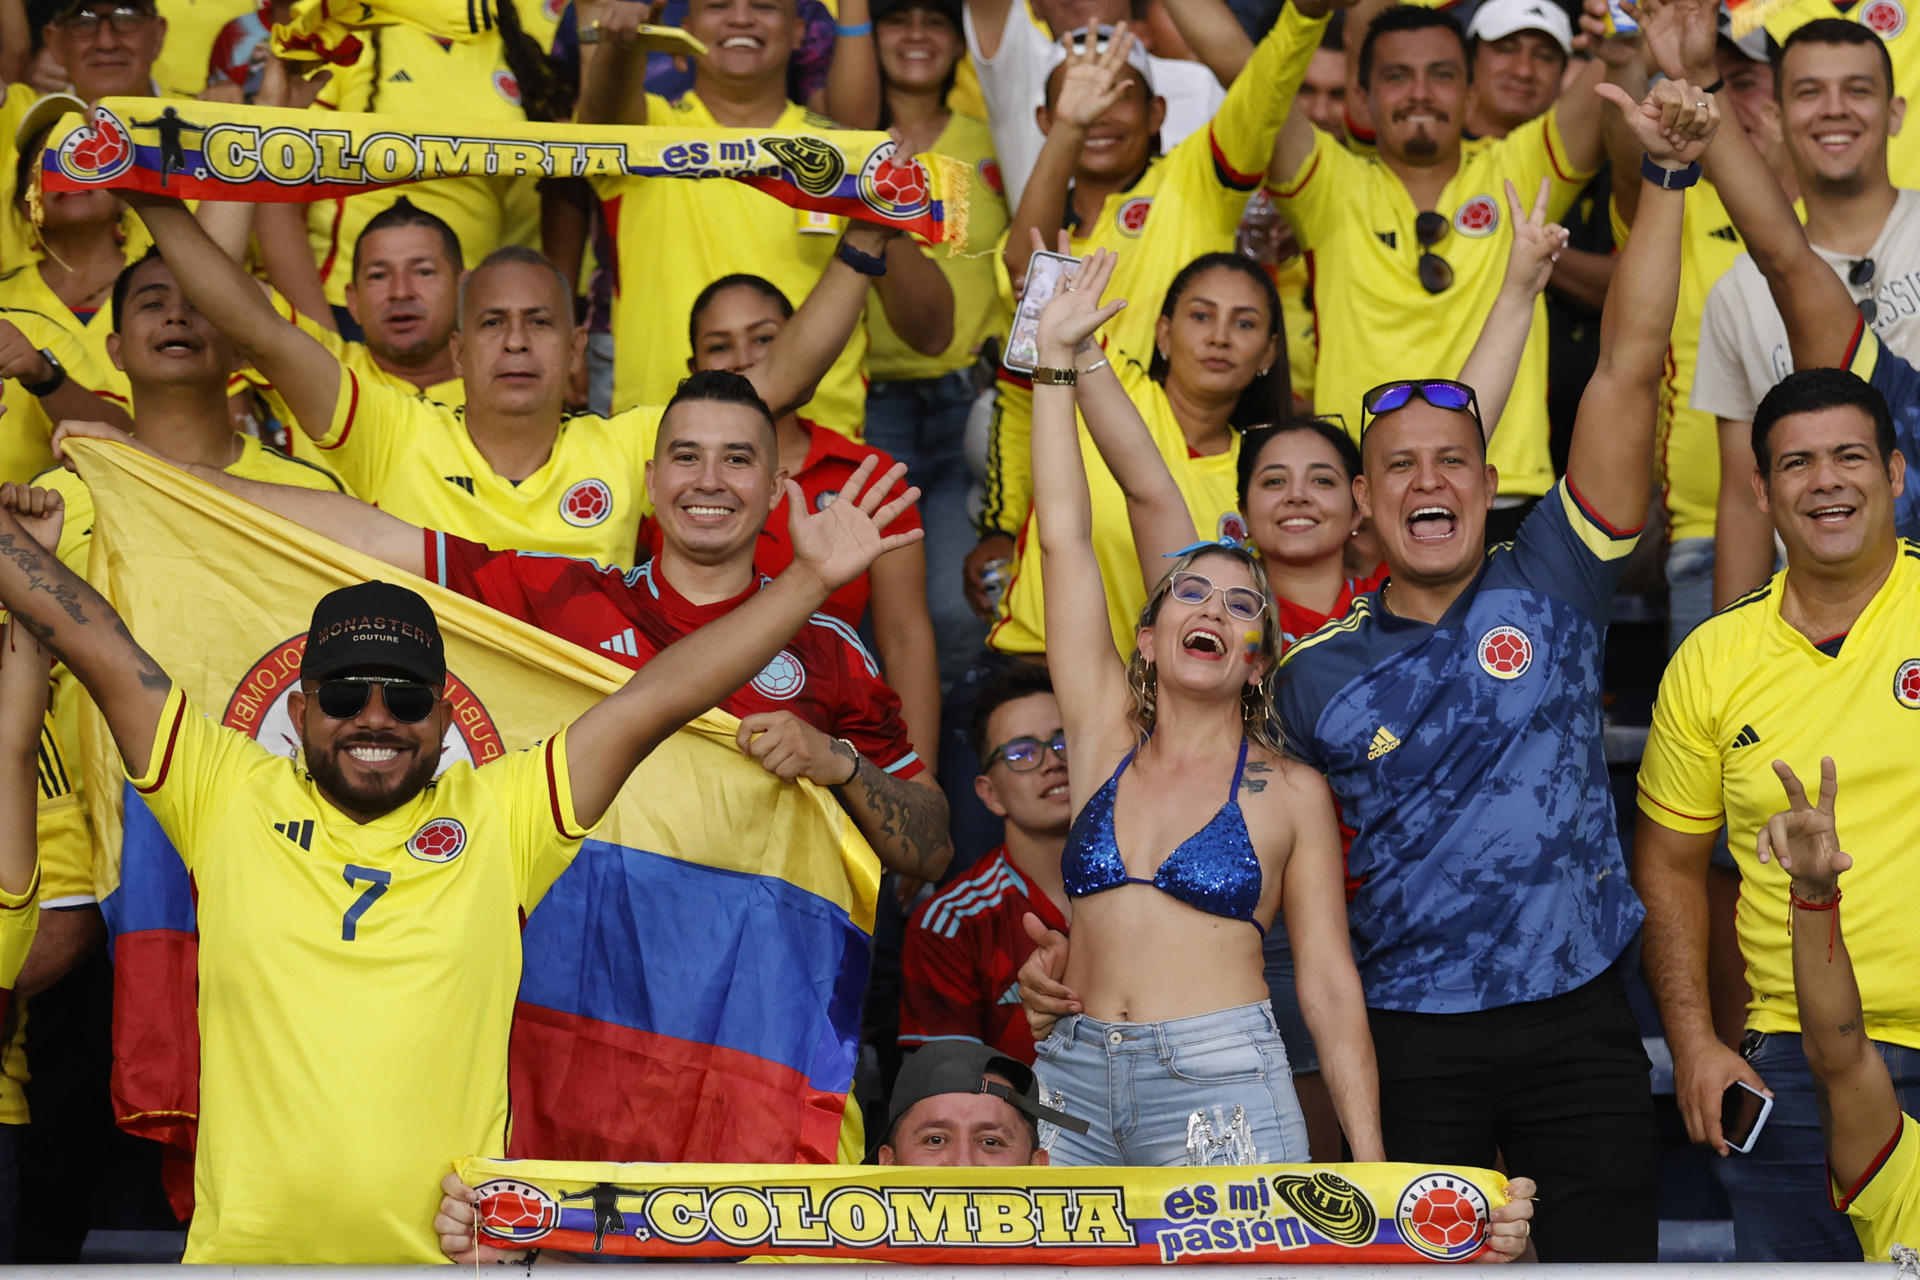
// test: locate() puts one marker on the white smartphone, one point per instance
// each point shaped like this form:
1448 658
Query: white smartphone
1743 1113
1046 272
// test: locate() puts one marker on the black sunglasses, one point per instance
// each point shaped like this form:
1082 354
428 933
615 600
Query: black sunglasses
1436 273
1441 393
1024 755
344 697
1860 276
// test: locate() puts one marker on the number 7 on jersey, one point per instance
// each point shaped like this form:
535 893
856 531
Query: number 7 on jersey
377 882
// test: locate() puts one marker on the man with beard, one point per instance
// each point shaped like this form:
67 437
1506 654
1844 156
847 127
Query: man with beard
1456 714
380 968
1414 240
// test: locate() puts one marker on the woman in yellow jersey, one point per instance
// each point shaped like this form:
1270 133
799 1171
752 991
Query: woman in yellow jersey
917 405
1157 1025
734 320
24 666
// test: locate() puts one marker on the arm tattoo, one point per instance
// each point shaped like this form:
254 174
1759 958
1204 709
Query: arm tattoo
57 581
904 821
1252 784
70 592
1848 1027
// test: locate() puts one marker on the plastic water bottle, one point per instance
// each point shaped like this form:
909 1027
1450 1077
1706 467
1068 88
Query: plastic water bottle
994 579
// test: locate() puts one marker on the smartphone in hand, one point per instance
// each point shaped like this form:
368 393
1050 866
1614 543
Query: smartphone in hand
1743 1112
1046 273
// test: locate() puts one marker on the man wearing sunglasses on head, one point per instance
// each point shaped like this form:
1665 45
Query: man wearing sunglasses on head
1410 245
1456 713
960 964
362 951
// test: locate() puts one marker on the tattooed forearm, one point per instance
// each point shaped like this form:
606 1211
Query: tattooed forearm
904 821
144 667
1254 779
57 581
41 632
1848 1027
27 571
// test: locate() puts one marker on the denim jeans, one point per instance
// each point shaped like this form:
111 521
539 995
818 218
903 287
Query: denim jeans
600 374
923 423
1689 587
1301 1054
1781 1212
1211 1089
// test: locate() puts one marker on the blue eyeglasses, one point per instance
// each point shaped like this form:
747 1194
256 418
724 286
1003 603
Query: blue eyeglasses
1441 393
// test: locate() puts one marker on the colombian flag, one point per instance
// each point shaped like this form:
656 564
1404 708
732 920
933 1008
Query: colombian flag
692 985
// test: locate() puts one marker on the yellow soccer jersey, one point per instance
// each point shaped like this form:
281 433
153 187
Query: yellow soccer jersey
1295 284
1891 21
405 71
414 458
714 228
1209 485
356 986
1689 440
25 429
19 920
1735 698
1356 221
15 233
355 356
979 310
1885 1205
192 28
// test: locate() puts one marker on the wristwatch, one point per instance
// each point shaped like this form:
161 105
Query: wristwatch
52 382
1046 377
1669 179
865 263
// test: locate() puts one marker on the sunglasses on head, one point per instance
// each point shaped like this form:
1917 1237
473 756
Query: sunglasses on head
344 697
1860 276
1243 603
1436 273
1024 755
1441 393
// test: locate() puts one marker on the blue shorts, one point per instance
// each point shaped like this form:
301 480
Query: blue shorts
1207 1090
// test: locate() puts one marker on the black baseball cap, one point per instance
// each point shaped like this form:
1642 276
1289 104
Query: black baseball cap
948 9
962 1066
375 626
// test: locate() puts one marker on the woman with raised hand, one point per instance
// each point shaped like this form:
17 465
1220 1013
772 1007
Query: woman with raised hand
1192 832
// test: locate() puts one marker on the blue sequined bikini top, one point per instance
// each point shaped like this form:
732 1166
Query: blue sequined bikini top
1215 869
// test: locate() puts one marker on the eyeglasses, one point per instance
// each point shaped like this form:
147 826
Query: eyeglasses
1860 276
1243 603
408 701
1024 755
85 24
1436 274
1441 393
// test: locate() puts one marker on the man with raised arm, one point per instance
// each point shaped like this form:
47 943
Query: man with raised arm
1873 1149
510 468
359 959
818 710
1456 713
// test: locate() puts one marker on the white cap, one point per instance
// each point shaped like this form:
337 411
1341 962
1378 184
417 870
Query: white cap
1136 54
1752 46
1498 19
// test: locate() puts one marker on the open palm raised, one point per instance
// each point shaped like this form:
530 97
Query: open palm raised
840 542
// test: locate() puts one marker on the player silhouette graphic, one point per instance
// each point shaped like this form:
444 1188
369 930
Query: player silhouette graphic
173 152
606 1208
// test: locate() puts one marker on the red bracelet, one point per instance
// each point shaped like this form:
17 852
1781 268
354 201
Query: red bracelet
1833 919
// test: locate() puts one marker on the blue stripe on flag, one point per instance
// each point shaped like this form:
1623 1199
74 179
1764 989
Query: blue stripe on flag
747 962
154 891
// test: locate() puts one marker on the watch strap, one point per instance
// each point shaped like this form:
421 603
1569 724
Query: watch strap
52 382
1669 179
1046 376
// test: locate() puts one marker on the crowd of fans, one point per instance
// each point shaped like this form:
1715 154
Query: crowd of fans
1223 696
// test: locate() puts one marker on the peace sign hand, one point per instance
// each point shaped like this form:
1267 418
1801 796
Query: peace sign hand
1803 839
1536 243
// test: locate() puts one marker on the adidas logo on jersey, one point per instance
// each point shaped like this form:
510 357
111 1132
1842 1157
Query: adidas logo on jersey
1725 233
1383 742
1391 239
1011 995
300 831
622 643
1745 738
400 77
465 482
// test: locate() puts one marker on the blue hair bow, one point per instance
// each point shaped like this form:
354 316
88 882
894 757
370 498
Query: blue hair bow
1229 542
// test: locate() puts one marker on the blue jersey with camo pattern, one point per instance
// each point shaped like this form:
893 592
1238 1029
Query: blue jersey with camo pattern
1467 756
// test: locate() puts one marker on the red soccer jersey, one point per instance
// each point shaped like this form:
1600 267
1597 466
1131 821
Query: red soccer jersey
1297 620
831 458
825 675
960 964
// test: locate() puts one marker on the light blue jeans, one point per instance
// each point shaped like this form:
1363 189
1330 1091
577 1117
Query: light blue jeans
1689 587
1208 1090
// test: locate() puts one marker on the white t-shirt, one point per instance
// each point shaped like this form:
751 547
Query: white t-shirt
1743 341
1014 81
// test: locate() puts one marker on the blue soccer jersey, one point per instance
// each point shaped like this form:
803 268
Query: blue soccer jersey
1898 381
1467 757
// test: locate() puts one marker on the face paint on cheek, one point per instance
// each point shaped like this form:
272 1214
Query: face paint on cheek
1252 641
